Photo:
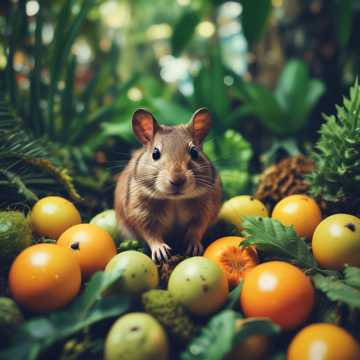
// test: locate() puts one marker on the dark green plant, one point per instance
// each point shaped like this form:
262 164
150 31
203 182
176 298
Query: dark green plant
223 332
336 178
231 154
55 120
28 167
286 111
39 334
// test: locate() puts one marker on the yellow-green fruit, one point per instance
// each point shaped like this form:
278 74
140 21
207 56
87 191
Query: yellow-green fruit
140 273
235 208
15 236
136 336
336 241
107 221
199 284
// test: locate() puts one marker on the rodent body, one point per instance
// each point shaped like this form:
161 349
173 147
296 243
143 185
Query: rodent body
169 193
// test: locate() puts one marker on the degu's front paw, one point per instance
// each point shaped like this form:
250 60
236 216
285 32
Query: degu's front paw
195 249
160 252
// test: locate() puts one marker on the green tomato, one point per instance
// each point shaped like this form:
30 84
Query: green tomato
140 273
107 221
235 208
199 284
136 336
336 241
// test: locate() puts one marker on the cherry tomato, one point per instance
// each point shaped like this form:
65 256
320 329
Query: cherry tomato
301 211
244 205
279 291
52 215
336 241
323 342
93 246
44 277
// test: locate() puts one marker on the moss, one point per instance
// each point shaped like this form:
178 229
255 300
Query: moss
15 236
10 316
172 315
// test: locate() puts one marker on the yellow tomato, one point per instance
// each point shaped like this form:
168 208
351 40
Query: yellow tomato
301 211
336 241
93 247
323 342
44 277
235 208
52 215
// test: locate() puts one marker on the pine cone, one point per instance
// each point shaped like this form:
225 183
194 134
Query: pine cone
283 179
166 267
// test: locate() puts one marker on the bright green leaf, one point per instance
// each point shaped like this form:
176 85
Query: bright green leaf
338 290
274 238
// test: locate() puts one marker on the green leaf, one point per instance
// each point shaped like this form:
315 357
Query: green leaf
231 154
274 238
62 48
297 94
209 85
264 105
67 100
338 290
352 276
254 18
35 115
90 307
215 339
184 30
343 13
232 302
255 326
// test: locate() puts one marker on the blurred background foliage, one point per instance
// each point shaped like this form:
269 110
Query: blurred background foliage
73 71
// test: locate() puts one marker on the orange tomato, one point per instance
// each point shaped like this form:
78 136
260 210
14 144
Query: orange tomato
279 291
93 246
301 211
52 215
44 277
323 342
234 260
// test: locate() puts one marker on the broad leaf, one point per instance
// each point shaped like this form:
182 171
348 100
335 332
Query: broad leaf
274 238
264 105
338 290
343 16
215 339
184 30
254 18
352 276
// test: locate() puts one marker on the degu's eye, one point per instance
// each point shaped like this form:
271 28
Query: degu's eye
194 152
156 154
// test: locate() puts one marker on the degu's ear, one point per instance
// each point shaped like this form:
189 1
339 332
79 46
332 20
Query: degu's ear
200 124
144 125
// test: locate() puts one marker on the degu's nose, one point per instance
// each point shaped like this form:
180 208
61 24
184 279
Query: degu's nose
177 181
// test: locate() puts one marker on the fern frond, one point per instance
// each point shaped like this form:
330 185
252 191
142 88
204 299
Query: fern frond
27 163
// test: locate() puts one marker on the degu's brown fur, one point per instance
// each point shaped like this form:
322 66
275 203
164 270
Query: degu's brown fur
169 189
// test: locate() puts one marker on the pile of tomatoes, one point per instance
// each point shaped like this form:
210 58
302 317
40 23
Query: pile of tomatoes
47 276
